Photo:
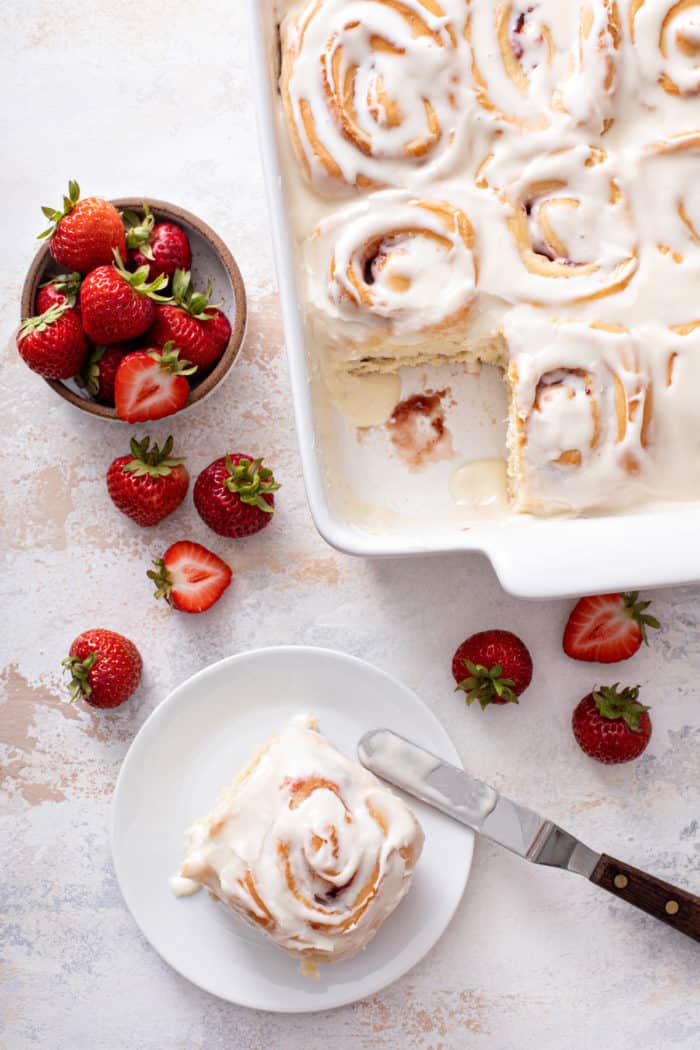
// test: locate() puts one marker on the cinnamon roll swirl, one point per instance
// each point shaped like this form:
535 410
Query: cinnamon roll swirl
373 90
573 238
534 64
307 846
670 165
582 416
666 39
401 281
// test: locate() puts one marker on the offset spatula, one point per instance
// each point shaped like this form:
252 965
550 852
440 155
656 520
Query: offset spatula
427 777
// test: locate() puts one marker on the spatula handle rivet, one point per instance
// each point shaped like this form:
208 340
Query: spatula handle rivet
672 907
620 882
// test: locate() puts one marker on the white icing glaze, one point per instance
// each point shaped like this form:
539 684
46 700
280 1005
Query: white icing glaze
574 156
666 35
182 887
481 485
374 85
398 267
600 414
307 845
547 62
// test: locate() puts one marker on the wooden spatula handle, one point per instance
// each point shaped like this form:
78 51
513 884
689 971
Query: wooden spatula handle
674 906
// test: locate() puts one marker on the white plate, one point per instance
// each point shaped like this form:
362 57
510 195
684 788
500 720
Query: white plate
192 746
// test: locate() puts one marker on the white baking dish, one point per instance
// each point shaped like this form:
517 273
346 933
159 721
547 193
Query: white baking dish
366 502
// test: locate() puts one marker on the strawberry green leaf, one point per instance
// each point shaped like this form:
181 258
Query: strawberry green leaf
636 611
251 481
484 684
613 703
79 670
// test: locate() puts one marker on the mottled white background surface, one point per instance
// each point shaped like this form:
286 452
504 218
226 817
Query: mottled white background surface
129 100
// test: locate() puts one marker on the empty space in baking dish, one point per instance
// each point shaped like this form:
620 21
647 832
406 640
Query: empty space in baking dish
399 477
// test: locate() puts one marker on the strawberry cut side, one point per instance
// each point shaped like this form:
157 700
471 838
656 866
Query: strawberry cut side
190 577
151 384
606 628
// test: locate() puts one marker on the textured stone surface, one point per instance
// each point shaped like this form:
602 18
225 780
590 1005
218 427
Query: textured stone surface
158 102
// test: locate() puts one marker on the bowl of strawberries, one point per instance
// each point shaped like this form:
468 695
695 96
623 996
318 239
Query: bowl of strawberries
131 309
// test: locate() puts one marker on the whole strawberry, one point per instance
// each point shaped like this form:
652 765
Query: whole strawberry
151 384
611 725
85 233
493 667
59 291
117 305
605 628
161 246
149 484
100 370
105 668
53 344
200 330
234 495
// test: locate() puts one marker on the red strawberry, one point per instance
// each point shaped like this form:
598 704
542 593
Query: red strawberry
59 291
234 495
151 384
607 628
100 370
105 668
149 484
219 330
117 305
161 246
53 344
493 667
190 577
612 726
202 331
85 233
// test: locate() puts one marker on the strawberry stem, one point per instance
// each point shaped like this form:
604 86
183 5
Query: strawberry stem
162 579
169 360
138 230
41 322
137 280
89 377
155 462
613 703
250 480
79 671
185 296
636 610
486 685
55 216
67 284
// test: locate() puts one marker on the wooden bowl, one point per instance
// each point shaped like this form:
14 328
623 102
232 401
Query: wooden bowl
211 259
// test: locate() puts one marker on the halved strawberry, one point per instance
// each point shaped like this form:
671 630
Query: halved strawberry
190 577
151 384
606 628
